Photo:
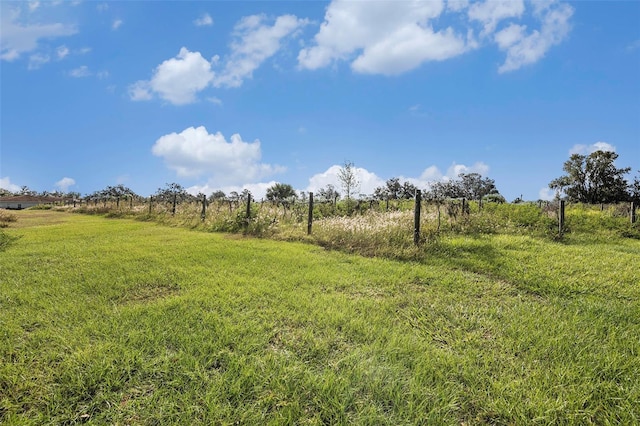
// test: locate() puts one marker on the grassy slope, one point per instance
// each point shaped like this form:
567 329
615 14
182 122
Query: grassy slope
121 322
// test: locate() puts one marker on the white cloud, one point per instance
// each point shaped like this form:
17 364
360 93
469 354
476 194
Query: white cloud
203 21
176 80
214 100
385 37
62 51
457 5
102 7
82 71
546 194
407 49
588 149
368 181
37 60
116 24
455 169
5 183
633 46
64 184
390 38
431 174
523 49
17 39
254 43
509 36
140 91
33 5
491 12
179 79
194 152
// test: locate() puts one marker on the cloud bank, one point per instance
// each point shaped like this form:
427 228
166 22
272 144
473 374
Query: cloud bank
391 38
373 37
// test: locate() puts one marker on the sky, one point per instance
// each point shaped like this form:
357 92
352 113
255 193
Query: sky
239 95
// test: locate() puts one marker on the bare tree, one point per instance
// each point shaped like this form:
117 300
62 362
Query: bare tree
348 179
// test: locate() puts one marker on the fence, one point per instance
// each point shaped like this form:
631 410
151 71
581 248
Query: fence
420 218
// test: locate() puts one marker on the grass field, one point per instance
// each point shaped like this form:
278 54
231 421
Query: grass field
117 321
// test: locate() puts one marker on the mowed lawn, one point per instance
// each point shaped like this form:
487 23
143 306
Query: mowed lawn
112 321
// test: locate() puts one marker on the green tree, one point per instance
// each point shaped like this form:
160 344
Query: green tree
474 186
440 191
408 191
593 179
634 189
329 193
393 189
281 193
172 193
245 195
217 196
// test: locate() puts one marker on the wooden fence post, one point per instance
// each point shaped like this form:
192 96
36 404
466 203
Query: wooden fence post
310 218
416 217
203 215
173 209
561 219
633 212
150 203
131 202
248 208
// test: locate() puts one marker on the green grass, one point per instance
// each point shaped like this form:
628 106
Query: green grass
115 321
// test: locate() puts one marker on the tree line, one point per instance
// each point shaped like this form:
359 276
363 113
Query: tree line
591 179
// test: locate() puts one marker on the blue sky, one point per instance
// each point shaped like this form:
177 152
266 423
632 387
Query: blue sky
232 95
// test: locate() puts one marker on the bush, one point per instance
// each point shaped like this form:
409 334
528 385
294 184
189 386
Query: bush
41 207
6 218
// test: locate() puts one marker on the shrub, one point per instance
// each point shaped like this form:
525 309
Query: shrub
6 218
41 207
